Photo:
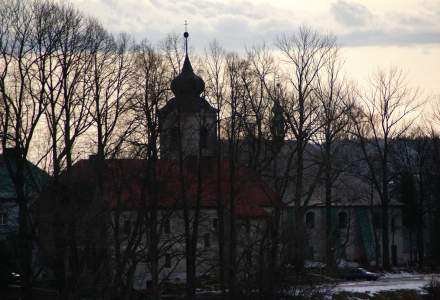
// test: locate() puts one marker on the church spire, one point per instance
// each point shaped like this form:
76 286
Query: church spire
187 83
278 129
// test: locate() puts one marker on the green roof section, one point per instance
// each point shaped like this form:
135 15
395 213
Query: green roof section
35 179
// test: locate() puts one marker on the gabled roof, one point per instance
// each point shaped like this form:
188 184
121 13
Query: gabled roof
126 185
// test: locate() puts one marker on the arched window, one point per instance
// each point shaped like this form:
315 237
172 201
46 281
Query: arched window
310 219
3 219
203 137
343 220
174 138
127 227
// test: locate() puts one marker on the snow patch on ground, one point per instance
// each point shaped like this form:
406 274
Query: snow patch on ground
401 275
389 282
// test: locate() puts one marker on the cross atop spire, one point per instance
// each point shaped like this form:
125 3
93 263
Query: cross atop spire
185 35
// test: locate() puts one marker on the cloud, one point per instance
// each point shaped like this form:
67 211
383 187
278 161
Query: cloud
237 23
387 38
349 13
363 27
213 8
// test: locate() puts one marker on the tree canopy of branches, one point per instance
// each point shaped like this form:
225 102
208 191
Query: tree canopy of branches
71 89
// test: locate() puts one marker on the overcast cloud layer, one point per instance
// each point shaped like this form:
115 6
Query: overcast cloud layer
375 33
237 23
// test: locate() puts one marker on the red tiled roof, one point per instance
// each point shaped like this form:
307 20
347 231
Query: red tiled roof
126 184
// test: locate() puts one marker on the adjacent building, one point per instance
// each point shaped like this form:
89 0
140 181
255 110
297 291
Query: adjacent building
35 179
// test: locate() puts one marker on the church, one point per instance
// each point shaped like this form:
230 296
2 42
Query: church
138 224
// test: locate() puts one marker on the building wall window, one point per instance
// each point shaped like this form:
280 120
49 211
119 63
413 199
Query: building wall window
127 227
167 261
395 225
215 224
247 226
377 220
407 240
343 220
311 253
3 219
167 226
310 220
207 240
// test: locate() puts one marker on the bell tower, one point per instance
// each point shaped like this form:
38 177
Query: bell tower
187 121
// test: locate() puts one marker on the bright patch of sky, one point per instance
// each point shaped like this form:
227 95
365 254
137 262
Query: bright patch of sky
373 33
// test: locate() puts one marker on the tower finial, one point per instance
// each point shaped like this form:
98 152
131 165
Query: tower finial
185 35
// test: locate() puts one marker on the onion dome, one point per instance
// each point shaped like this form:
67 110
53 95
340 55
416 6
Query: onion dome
187 83
187 88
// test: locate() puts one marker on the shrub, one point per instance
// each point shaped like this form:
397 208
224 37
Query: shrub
398 295
433 289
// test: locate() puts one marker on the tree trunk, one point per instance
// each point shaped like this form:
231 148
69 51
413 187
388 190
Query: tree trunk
299 237
420 224
385 212
330 243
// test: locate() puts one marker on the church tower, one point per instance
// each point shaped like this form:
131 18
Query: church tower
187 121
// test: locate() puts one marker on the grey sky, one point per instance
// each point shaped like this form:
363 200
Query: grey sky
239 22
401 32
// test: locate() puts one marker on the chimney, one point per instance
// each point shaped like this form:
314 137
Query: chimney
93 157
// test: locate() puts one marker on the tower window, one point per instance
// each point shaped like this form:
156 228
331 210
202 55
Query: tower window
343 220
174 133
174 138
203 137
215 224
310 220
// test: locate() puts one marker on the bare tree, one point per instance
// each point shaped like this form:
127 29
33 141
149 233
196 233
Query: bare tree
109 73
233 129
107 77
215 90
412 162
25 45
306 53
333 95
384 115
151 90
67 120
173 52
